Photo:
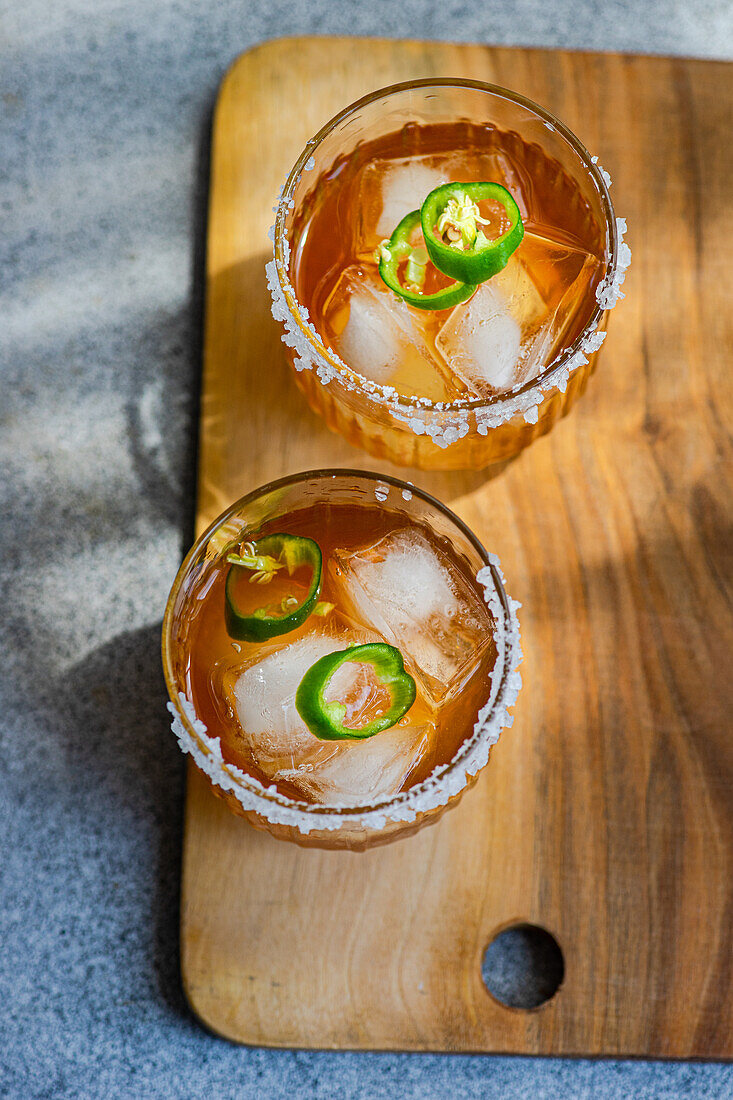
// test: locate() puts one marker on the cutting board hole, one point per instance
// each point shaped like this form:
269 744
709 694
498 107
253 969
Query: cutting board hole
523 966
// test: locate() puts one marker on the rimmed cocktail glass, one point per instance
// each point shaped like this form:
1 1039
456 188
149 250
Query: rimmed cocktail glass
465 432
266 807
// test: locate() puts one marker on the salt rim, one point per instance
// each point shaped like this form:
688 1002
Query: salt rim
431 794
454 415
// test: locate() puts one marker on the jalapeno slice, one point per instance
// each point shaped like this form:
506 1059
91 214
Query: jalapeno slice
325 720
263 559
451 222
396 251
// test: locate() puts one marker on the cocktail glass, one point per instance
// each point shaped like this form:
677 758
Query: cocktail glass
364 359
481 694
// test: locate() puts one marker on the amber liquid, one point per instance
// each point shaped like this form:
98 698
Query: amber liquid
340 222
210 655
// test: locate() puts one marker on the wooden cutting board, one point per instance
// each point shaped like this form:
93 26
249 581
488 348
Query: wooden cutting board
606 815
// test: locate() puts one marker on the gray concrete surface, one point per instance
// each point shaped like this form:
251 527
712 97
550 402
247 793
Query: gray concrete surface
104 125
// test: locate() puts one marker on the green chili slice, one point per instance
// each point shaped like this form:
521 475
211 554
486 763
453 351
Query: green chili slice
263 559
398 250
451 222
325 720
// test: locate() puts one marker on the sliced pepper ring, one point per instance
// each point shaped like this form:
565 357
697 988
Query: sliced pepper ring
290 551
396 251
325 720
473 257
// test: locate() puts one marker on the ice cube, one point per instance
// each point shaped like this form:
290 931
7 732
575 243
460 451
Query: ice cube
380 337
416 599
514 324
482 341
563 273
264 702
555 264
364 771
263 697
388 190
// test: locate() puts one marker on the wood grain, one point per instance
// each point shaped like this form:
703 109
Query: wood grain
606 814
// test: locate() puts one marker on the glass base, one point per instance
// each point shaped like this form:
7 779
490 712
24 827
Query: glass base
387 439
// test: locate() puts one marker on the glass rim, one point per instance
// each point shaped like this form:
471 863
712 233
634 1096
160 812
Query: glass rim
413 403
499 697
